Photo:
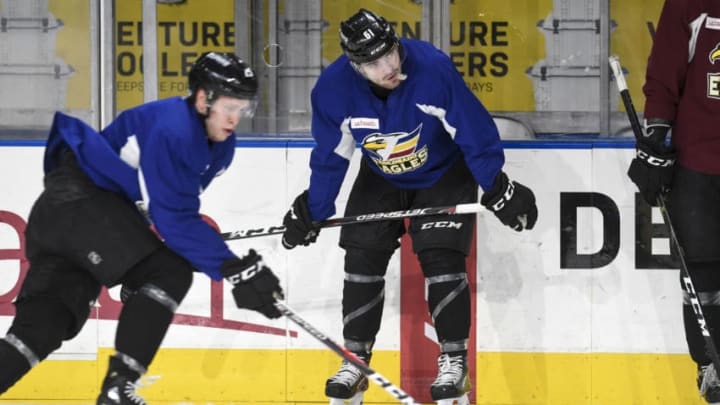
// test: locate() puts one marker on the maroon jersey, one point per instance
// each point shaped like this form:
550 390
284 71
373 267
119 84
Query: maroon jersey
682 82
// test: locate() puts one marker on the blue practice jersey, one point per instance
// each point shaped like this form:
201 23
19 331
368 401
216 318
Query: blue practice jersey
158 154
411 139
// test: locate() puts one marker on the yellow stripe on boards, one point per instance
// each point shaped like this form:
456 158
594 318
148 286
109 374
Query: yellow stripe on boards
585 379
57 380
298 377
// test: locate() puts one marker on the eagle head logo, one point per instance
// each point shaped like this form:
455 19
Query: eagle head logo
392 146
715 54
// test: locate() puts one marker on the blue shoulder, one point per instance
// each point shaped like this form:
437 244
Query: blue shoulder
335 84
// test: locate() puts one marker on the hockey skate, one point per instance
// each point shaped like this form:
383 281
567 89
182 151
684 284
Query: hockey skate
452 383
119 390
348 385
709 384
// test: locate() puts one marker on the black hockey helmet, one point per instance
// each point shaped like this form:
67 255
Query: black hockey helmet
223 74
365 37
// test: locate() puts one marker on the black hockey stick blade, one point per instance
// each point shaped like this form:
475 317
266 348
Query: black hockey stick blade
470 208
684 272
372 375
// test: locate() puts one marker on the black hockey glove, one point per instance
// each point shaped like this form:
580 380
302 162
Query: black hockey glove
254 284
652 168
512 203
299 226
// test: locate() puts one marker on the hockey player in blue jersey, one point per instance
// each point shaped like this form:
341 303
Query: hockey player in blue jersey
85 231
426 141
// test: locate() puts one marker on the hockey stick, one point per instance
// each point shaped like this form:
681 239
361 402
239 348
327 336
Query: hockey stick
372 375
685 274
355 219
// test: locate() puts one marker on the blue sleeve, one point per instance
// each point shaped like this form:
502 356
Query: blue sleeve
173 193
476 133
330 158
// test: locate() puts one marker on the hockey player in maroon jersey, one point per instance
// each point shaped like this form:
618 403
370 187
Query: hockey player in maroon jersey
682 91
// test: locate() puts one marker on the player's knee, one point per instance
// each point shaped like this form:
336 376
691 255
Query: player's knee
366 262
441 261
164 277
364 284
446 280
39 327
705 282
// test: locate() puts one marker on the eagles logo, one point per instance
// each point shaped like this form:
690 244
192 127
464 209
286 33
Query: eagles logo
714 54
396 153
713 79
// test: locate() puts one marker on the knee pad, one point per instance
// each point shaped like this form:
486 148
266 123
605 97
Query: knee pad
159 295
54 285
367 262
705 282
438 262
705 276
163 276
363 292
448 292
39 327
158 284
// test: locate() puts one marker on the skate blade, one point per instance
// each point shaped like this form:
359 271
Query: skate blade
462 400
356 399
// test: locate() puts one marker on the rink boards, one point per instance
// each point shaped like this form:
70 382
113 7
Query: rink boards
584 309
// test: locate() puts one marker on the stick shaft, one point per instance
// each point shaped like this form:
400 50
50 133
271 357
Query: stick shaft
355 219
372 375
625 95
